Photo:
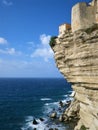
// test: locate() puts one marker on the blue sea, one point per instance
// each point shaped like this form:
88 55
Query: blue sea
25 99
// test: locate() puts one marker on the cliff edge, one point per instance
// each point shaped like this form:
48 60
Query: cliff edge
76 56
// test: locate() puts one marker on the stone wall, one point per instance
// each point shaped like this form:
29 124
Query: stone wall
63 28
96 11
83 16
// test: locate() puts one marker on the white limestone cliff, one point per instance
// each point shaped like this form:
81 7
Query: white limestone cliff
76 56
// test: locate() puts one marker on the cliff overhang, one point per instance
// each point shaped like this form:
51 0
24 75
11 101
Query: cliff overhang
76 56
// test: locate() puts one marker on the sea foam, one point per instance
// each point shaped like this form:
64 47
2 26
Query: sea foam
45 99
42 125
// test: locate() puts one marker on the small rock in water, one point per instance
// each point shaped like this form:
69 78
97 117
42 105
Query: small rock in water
61 118
35 122
61 103
53 115
51 129
34 129
68 102
41 119
65 117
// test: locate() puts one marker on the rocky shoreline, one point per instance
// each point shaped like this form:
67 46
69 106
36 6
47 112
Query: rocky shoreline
70 114
67 115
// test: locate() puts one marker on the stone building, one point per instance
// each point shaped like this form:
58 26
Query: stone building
63 28
84 15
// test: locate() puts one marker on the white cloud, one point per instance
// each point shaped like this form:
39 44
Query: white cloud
45 39
45 53
7 2
3 41
10 51
44 49
21 68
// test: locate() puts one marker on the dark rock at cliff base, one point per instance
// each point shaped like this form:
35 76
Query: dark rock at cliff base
68 103
55 129
61 104
61 118
53 115
35 122
41 119
51 129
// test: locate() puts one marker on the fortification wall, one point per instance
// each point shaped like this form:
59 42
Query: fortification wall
63 28
83 16
97 11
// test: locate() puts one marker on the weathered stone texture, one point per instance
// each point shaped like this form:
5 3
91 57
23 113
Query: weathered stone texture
63 28
84 15
76 56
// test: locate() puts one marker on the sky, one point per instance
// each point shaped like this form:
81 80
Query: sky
26 27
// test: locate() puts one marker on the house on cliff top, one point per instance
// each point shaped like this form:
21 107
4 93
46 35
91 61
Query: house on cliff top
84 15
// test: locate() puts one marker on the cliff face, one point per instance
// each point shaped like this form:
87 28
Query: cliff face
76 56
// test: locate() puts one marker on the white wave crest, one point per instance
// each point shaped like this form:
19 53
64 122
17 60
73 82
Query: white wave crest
29 124
65 95
42 125
45 99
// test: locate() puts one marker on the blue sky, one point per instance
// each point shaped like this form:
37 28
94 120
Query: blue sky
25 30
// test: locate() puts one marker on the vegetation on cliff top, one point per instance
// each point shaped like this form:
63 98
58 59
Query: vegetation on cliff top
83 127
91 29
52 41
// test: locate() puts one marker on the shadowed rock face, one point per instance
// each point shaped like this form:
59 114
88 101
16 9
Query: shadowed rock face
76 56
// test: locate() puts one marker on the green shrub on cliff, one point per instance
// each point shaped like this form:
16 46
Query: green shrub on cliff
91 29
83 127
52 41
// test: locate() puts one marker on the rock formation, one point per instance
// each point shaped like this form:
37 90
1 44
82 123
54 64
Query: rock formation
76 56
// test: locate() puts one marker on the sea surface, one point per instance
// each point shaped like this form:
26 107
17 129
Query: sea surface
25 99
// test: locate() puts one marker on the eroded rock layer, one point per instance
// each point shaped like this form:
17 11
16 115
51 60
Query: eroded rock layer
76 56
